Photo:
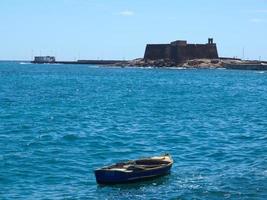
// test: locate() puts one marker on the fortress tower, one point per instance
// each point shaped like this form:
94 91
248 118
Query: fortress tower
179 51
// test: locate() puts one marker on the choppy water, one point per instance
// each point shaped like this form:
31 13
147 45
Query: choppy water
59 122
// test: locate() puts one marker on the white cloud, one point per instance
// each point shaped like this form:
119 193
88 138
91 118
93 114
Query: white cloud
258 11
261 11
171 18
257 20
126 13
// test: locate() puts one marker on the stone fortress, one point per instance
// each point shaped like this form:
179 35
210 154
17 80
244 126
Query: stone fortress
180 51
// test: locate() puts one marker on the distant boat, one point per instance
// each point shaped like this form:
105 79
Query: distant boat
134 170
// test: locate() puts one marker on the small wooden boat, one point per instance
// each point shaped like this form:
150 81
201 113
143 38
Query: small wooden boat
134 170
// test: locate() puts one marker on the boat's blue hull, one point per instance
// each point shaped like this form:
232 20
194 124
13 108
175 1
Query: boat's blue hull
115 177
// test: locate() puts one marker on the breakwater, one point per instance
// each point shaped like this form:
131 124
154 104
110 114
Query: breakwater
226 63
195 63
87 62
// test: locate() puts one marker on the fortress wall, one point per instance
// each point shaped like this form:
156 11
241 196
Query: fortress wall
213 52
198 51
157 51
180 53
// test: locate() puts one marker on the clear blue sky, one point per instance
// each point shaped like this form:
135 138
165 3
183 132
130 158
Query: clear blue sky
116 29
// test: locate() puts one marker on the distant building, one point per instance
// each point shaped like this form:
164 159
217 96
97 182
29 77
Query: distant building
180 50
44 59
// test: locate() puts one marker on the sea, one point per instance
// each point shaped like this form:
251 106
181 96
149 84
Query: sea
60 122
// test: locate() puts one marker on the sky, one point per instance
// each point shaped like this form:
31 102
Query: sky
120 29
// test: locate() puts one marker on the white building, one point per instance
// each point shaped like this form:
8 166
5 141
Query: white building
44 59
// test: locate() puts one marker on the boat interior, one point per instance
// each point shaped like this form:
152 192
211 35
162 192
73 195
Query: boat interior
138 165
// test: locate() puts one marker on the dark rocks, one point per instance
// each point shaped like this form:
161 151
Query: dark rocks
197 64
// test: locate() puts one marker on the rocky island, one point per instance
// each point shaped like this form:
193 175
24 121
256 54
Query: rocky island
204 63
181 54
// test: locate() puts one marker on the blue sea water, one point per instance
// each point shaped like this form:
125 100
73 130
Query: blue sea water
60 122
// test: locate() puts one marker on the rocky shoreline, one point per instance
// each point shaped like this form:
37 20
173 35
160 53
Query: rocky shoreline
198 64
